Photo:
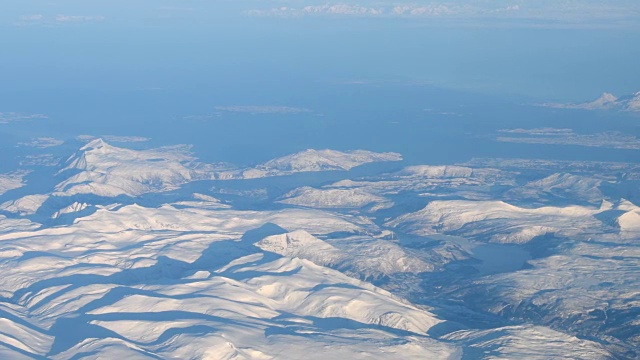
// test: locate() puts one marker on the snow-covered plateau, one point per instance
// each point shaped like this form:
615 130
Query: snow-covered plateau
148 254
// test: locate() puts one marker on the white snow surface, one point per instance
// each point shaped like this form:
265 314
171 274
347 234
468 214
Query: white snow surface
629 221
26 205
570 186
472 183
606 101
203 201
119 283
552 291
16 225
526 342
498 221
333 198
317 160
11 181
360 255
109 171
73 208
184 274
634 103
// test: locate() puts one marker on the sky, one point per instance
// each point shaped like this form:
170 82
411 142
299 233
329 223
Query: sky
563 50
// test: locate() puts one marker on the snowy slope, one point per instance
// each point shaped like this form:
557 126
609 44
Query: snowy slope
11 181
317 160
606 101
191 283
568 186
472 183
26 205
110 286
105 170
169 271
633 103
333 198
203 201
589 289
16 225
629 221
108 171
361 256
303 245
526 342
498 221
73 208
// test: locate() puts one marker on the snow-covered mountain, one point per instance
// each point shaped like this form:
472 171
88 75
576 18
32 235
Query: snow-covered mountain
629 220
360 256
27 205
606 101
151 254
334 198
552 293
633 102
8 225
108 171
317 160
498 221
118 287
105 170
526 342
302 245
473 183
11 181
73 208
568 186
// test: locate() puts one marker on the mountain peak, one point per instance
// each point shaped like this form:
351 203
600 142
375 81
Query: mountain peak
606 101
607 97
96 143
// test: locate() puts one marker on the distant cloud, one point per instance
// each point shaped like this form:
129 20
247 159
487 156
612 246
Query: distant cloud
441 113
539 131
78 18
39 19
40 160
221 111
269 109
428 10
113 138
606 101
326 9
85 138
125 139
176 8
202 117
553 136
9 117
540 13
36 17
42 142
